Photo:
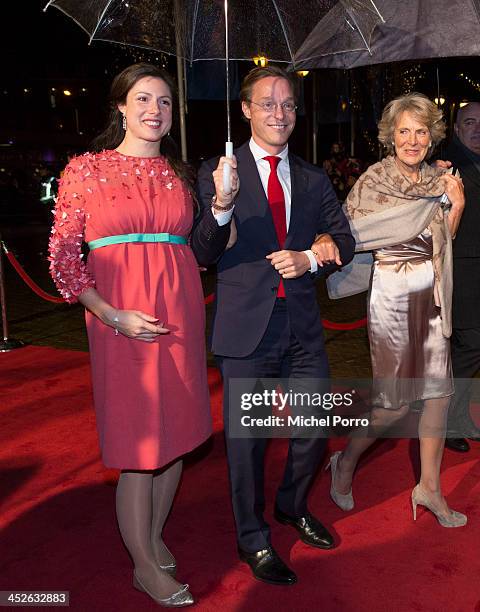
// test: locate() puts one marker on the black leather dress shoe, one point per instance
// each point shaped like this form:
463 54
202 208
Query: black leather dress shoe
311 530
457 444
267 566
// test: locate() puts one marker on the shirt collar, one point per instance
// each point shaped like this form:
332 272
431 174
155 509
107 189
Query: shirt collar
259 153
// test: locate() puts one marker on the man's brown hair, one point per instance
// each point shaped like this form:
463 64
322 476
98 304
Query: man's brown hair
256 74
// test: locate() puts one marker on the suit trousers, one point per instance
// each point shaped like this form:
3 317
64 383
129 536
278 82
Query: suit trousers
465 345
278 354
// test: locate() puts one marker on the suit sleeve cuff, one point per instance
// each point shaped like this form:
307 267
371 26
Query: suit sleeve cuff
222 218
313 261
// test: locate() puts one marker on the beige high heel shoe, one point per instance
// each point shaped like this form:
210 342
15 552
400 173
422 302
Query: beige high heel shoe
180 599
343 500
419 497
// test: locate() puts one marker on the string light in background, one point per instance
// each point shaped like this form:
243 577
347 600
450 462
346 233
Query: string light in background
39 89
410 77
122 56
372 143
470 81
354 95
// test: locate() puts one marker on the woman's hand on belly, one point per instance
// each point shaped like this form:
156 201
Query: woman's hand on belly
131 323
138 325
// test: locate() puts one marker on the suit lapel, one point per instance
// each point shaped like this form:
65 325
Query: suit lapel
299 186
252 201
459 157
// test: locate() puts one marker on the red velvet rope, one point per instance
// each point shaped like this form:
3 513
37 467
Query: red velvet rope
208 300
33 286
344 326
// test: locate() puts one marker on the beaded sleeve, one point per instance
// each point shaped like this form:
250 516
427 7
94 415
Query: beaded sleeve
67 267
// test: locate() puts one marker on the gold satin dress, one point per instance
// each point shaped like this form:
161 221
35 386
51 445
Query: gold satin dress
410 355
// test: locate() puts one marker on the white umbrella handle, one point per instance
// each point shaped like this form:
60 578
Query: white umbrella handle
227 184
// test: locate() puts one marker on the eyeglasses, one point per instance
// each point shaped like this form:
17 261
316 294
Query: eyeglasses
270 107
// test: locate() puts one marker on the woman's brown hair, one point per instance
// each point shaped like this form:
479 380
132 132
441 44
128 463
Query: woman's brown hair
114 133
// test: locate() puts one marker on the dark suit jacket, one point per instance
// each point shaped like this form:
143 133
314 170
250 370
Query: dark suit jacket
247 282
466 246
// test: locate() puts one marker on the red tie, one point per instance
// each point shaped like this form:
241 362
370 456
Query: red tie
276 200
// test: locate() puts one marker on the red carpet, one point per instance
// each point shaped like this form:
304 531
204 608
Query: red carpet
58 527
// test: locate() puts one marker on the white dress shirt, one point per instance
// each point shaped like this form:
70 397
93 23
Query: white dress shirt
283 172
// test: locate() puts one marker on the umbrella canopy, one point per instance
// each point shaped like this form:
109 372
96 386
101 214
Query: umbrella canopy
195 29
220 29
417 29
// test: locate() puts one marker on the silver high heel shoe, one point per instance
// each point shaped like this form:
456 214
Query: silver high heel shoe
343 500
419 497
180 599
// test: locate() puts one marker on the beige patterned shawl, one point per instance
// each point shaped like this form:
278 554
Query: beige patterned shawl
384 208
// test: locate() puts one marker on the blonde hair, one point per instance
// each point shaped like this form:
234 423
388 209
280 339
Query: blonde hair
424 110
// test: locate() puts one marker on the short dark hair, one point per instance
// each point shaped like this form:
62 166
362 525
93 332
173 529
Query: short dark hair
256 74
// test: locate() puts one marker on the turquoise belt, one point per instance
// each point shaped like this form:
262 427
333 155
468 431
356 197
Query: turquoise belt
122 238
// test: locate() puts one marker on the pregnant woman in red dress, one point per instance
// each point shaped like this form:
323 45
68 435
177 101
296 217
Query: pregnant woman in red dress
132 203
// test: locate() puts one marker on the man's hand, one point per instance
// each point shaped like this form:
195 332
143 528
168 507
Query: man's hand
325 250
455 190
289 264
442 163
224 199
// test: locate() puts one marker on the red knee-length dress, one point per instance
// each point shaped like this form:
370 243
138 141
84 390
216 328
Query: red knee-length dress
151 400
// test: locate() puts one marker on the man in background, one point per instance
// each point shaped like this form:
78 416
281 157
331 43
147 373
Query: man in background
464 154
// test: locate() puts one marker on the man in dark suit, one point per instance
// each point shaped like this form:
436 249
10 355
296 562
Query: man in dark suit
267 321
464 153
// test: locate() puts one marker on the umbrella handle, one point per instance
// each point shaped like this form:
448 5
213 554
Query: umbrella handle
227 185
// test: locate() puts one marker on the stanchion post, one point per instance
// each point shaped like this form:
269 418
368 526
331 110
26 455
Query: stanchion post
7 344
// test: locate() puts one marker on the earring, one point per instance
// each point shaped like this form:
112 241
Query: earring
429 144
124 122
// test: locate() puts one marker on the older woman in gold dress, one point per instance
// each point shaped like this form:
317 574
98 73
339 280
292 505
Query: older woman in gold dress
398 210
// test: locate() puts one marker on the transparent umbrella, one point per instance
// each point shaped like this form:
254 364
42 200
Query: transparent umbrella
417 29
220 29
